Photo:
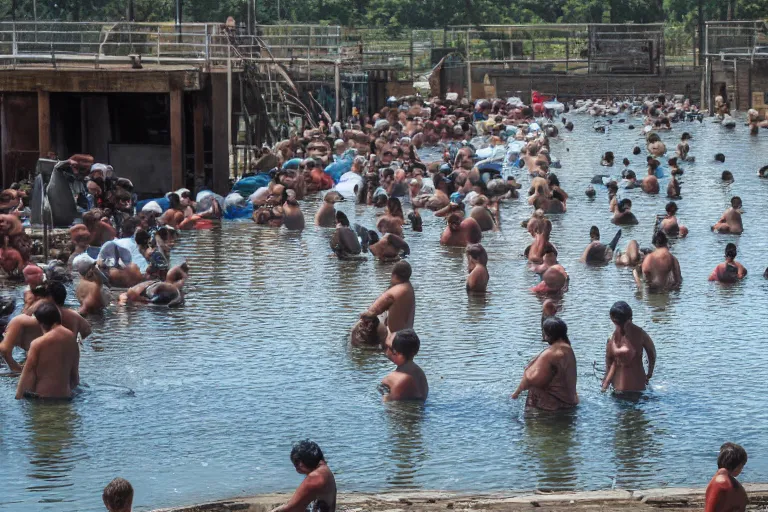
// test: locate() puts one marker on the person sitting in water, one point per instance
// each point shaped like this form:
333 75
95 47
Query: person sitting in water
730 271
624 215
660 269
650 184
541 229
160 257
727 176
730 222
725 493
91 293
33 277
408 381
368 331
550 378
477 263
554 278
461 232
396 307
344 242
326 214
158 293
24 328
317 492
597 253
52 366
118 496
625 350
669 224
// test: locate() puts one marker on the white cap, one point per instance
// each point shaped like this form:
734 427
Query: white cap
83 263
153 206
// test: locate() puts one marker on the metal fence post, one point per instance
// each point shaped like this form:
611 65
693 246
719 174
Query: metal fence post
207 48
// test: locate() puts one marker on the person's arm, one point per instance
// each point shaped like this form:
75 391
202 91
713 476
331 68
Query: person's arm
537 375
382 304
12 334
608 377
28 379
717 493
84 328
715 275
88 305
742 270
650 350
677 275
609 358
303 496
74 376
583 258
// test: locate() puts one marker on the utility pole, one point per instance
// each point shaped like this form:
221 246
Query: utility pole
178 13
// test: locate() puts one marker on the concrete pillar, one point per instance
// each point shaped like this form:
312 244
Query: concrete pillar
177 139
219 130
199 137
44 122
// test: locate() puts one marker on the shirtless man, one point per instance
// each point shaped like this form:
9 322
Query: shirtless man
317 492
597 253
730 271
554 278
24 328
624 215
485 216
326 214
344 242
629 374
460 233
53 359
477 263
730 222
174 215
660 269
541 232
389 248
724 492
158 293
408 381
669 224
90 290
399 301
650 184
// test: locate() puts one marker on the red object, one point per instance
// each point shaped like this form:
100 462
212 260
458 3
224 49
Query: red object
538 108
203 224
536 97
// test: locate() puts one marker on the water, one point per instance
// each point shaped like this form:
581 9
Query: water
203 402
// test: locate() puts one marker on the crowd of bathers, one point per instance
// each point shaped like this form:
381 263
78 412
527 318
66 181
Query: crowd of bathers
121 247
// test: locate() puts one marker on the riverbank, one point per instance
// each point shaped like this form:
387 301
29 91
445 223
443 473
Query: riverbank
669 499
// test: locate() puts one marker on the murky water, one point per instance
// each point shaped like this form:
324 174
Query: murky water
204 402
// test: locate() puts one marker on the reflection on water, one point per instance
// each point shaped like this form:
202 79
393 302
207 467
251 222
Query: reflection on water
407 452
549 440
258 358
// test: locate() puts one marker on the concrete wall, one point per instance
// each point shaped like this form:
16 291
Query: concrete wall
96 127
18 136
148 167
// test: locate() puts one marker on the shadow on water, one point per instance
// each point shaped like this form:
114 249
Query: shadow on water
633 440
54 447
407 451
550 440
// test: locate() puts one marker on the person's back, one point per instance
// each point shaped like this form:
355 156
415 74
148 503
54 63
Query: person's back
51 370
407 381
657 267
317 492
725 493
563 384
403 309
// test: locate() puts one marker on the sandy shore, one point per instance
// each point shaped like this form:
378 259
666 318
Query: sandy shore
669 499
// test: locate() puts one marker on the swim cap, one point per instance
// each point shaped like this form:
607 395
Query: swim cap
153 206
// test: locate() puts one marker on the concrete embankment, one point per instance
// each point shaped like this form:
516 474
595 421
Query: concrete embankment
669 499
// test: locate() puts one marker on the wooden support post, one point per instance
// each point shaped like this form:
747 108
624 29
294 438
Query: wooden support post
177 139
219 130
44 122
199 144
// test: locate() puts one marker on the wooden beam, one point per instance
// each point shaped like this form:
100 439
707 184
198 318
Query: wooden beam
98 81
219 131
177 139
44 123
199 137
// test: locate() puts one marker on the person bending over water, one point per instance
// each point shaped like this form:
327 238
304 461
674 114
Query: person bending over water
317 492
598 253
724 492
624 215
397 305
730 271
477 262
118 495
554 278
550 378
91 293
625 350
52 366
408 381
660 269
730 222
669 224
158 293
389 247
368 331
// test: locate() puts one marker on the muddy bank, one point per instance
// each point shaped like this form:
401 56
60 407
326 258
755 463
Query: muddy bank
669 499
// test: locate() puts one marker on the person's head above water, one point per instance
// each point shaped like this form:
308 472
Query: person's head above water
401 272
549 308
732 458
47 315
174 201
118 495
621 313
477 252
405 343
727 176
594 233
736 202
306 456
56 292
624 205
636 150
660 239
555 329
730 251
671 208
719 157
